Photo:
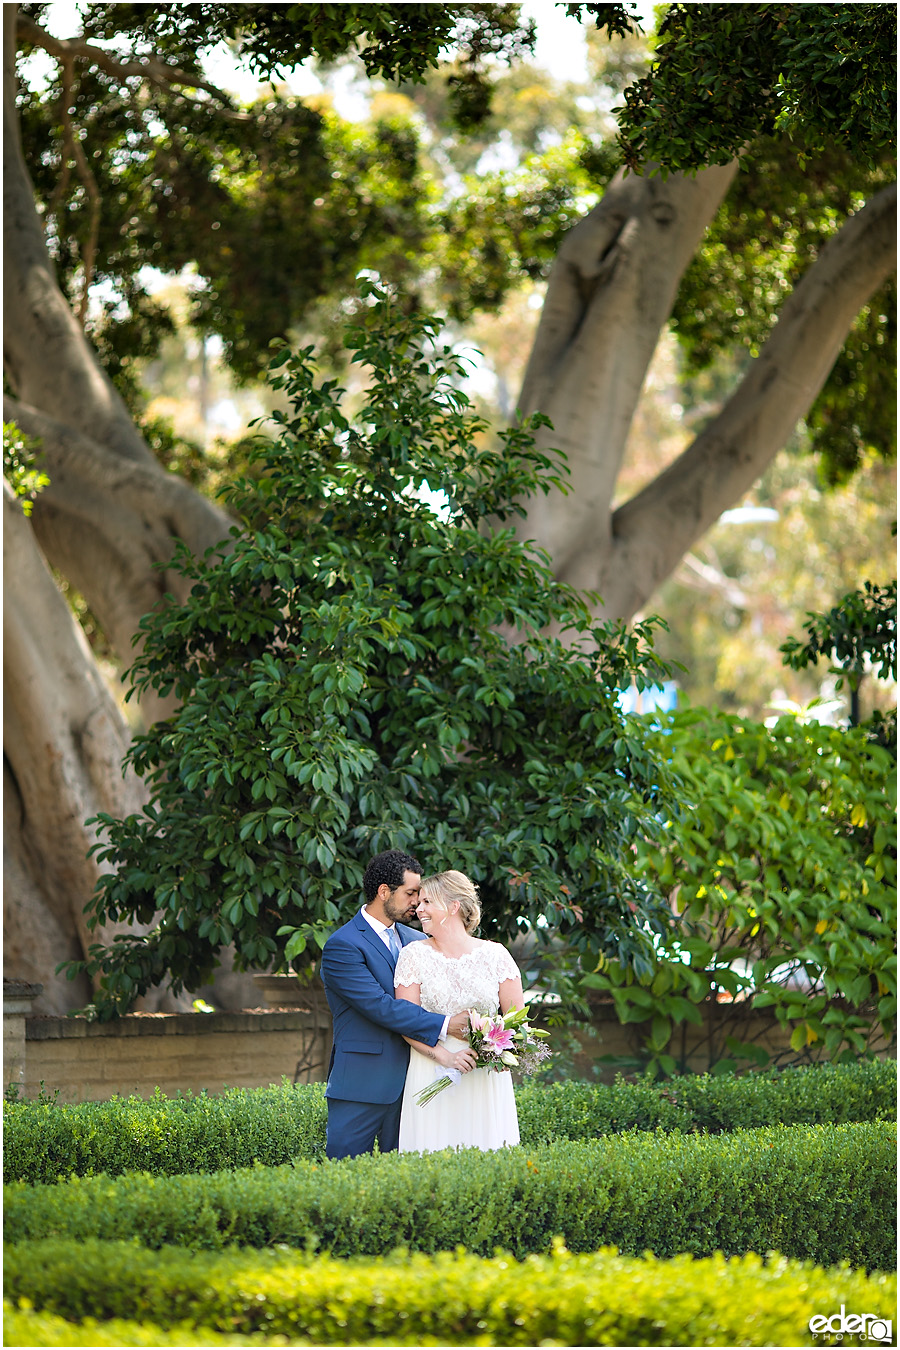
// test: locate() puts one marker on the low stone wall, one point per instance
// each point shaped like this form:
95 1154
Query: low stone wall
92 1061
18 996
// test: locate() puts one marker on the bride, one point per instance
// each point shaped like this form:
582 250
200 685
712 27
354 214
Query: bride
451 972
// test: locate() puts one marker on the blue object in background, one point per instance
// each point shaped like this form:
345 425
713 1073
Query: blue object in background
634 700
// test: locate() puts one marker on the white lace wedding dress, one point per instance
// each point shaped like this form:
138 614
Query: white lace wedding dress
480 1110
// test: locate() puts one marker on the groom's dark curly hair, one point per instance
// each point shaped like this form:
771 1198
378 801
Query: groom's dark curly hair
387 869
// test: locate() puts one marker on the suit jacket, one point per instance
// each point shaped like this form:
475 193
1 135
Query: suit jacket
370 1058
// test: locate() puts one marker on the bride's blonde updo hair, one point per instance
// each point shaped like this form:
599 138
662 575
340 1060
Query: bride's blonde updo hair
445 887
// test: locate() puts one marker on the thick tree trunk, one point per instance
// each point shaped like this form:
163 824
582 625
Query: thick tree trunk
64 739
106 521
653 532
610 293
111 511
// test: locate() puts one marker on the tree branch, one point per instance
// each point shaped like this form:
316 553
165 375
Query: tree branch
107 523
73 145
658 526
609 294
156 72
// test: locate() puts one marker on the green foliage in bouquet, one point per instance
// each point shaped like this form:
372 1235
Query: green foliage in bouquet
783 871
359 670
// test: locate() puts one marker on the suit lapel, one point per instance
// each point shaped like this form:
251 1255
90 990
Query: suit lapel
375 942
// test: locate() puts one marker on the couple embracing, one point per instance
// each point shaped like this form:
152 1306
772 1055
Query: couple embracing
399 1001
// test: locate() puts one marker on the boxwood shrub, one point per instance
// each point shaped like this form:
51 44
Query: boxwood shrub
43 1141
820 1193
814 1095
207 1133
452 1298
22 1326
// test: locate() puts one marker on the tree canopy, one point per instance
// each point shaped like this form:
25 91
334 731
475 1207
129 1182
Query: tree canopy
179 175
723 75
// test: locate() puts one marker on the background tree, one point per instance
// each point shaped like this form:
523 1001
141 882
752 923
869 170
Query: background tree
859 634
163 156
343 686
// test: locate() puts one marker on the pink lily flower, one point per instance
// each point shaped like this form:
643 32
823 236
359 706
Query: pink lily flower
499 1037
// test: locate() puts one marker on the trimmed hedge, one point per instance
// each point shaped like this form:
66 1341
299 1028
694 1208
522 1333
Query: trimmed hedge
814 1095
171 1136
821 1193
167 1136
449 1299
22 1327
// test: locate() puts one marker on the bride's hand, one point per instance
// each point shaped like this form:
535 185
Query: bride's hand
463 1060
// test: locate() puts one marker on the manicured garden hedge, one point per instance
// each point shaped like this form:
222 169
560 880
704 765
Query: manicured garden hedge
168 1136
43 1141
22 1326
822 1193
449 1299
817 1095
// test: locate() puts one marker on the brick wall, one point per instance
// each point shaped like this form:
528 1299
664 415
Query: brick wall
92 1061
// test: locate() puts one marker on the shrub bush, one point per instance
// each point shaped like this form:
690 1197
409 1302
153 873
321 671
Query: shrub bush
821 1193
164 1136
168 1136
451 1299
783 871
816 1095
22 1326
344 685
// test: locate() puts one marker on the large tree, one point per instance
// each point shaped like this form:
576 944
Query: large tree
108 517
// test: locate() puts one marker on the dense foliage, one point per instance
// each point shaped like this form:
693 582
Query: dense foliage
783 870
402 1299
821 1192
44 1141
723 74
182 177
396 41
359 669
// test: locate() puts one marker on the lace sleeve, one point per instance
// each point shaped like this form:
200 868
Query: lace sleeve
504 965
407 969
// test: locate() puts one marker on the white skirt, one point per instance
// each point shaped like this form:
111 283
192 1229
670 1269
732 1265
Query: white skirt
477 1112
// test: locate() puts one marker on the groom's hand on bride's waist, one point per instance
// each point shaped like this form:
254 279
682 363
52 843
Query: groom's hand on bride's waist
458 1026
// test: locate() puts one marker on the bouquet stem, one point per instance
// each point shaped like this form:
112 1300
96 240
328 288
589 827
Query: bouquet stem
446 1079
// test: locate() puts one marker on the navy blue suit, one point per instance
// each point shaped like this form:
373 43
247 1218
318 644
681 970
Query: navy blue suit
370 1057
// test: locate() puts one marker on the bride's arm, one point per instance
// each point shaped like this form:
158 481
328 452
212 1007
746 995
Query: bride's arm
448 1059
511 995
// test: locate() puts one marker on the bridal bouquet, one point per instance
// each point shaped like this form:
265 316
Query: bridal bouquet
499 1042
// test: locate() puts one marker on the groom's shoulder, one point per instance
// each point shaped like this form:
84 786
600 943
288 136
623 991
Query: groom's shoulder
348 930
410 934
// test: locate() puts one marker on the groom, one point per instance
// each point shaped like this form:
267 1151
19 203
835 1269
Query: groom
370 1057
